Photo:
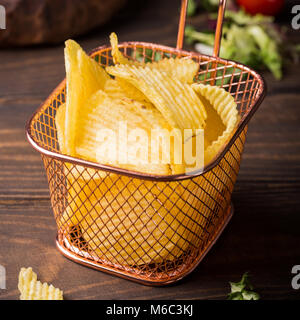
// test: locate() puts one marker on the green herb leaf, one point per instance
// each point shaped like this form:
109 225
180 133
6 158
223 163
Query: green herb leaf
242 290
250 295
235 296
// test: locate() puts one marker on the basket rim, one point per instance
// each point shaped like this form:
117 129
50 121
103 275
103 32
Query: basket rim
140 175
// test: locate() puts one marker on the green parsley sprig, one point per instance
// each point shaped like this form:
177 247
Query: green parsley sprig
242 290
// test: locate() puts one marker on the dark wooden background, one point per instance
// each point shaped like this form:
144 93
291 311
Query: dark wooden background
263 236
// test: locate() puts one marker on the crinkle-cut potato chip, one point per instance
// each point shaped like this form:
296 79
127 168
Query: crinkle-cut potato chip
176 101
183 69
117 55
131 91
118 117
225 106
120 89
32 289
149 117
114 90
84 77
215 126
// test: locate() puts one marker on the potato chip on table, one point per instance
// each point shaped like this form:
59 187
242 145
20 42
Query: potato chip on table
32 289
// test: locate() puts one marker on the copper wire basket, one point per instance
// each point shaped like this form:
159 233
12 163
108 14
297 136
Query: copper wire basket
151 229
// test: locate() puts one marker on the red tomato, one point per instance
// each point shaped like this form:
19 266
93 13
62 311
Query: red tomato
266 7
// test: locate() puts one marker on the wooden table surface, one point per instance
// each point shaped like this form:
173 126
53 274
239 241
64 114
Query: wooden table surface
263 236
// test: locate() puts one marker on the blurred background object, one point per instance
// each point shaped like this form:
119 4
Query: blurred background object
251 33
266 7
30 22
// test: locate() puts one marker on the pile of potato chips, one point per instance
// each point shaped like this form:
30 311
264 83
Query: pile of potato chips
145 95
160 95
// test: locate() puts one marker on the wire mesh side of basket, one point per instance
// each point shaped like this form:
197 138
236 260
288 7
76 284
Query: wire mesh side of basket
150 229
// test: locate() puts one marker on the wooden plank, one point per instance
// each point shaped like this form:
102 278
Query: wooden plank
261 238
